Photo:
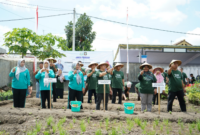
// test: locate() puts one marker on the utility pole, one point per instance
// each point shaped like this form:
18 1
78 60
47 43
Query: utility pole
73 43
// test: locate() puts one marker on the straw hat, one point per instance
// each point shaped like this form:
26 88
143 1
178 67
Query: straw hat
92 63
51 58
145 64
118 64
178 61
102 63
161 69
81 64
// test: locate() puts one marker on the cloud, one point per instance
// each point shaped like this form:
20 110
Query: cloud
3 30
194 40
15 5
197 13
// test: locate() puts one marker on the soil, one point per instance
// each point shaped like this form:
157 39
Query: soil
21 121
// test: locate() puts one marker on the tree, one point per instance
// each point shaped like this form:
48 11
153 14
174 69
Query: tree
84 36
20 41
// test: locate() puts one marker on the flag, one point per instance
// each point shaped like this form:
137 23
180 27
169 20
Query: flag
127 67
36 20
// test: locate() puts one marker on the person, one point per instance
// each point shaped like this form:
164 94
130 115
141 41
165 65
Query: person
29 91
146 78
54 68
198 78
192 79
117 82
184 76
76 84
176 86
164 74
37 81
59 65
158 73
20 83
92 81
126 89
45 72
137 90
109 66
110 85
81 67
60 85
102 75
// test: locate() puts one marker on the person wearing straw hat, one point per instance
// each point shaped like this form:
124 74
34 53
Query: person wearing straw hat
160 79
81 67
146 78
176 86
92 81
102 75
20 83
76 84
54 68
45 72
117 82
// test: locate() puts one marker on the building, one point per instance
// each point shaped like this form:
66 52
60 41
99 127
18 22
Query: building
2 50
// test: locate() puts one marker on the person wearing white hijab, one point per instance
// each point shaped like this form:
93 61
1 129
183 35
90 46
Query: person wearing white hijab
45 72
20 83
76 84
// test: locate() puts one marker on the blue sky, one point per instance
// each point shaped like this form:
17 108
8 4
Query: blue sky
176 15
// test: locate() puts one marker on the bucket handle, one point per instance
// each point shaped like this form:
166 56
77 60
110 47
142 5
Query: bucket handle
77 106
127 108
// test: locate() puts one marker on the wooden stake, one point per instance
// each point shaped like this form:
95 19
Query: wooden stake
159 100
50 96
104 98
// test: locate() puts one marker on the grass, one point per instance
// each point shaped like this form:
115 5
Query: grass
46 133
107 123
38 126
49 121
54 128
113 132
98 132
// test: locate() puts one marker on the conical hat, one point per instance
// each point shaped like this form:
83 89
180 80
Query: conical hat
102 63
145 64
92 63
161 70
178 61
51 58
118 64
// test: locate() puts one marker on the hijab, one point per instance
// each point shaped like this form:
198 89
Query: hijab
78 78
19 68
60 77
46 74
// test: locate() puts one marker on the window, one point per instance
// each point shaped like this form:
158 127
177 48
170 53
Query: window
168 49
180 50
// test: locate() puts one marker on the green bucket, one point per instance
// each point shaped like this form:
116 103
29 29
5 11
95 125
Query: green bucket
129 108
75 106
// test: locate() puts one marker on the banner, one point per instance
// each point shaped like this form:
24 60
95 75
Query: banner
144 58
85 57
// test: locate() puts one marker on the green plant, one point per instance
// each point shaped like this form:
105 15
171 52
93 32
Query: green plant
107 123
63 107
166 122
98 132
89 120
74 120
161 127
71 125
179 121
100 124
58 97
38 126
198 125
82 125
113 132
54 129
137 121
156 121
182 126
167 130
49 120
63 132
170 112
123 131
190 130
46 133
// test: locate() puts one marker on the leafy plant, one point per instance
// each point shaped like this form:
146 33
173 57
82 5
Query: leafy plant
107 123
156 122
161 127
46 133
49 120
82 125
38 126
166 122
98 132
54 129
113 132
63 132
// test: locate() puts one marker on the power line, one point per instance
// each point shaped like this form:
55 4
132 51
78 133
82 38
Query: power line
32 7
143 26
34 17
37 5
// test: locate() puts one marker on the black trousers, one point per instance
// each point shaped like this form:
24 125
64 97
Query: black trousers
45 95
180 95
54 92
19 97
155 98
59 93
100 96
115 91
74 94
90 92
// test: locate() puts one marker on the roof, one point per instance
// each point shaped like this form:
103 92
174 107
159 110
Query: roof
183 43
154 47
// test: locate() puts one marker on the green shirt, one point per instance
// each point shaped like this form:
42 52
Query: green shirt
184 76
138 86
92 80
53 68
100 87
117 78
83 70
146 83
164 74
175 81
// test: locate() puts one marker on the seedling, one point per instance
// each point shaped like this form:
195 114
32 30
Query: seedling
38 126
82 125
54 129
49 121
74 120
179 121
107 123
145 110
71 125
58 97
167 131
182 126
89 120
63 107
98 132
63 132
190 129
156 122
170 112
123 131
46 133
161 127
198 125
113 132
166 121
100 124
144 132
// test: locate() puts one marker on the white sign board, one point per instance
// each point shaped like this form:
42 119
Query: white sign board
50 80
158 84
85 57
104 81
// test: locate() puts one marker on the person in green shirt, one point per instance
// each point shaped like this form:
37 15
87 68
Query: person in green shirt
60 84
92 81
102 75
137 90
126 89
164 74
53 67
146 78
81 67
176 86
184 76
117 82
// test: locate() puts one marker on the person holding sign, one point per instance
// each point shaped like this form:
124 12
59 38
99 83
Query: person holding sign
20 83
53 67
146 78
160 79
102 75
76 84
92 81
117 82
176 86
45 72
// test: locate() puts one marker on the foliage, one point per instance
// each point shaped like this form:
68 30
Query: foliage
49 121
194 92
6 95
84 36
82 125
98 132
